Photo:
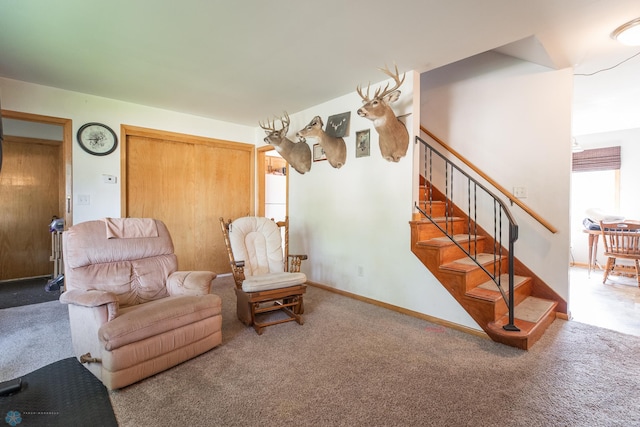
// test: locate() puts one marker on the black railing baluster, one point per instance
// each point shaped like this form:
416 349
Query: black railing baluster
499 209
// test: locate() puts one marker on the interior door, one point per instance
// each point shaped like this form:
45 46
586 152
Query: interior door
188 182
29 190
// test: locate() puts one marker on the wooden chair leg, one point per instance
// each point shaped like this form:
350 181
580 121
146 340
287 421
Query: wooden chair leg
243 308
638 272
610 264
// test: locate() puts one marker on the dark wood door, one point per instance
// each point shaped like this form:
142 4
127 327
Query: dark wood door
30 197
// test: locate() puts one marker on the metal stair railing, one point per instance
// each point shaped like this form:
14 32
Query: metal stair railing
463 192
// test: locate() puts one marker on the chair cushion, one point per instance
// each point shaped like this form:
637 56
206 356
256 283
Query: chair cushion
146 320
265 282
257 241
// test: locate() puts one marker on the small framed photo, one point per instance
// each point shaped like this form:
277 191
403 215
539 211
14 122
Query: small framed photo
363 143
338 125
318 153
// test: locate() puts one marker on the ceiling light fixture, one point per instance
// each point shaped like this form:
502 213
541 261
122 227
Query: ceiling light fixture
628 34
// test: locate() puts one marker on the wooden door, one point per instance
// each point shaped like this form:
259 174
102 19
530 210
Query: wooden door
30 195
188 182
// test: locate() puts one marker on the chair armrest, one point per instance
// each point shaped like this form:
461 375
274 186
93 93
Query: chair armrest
91 299
190 282
295 262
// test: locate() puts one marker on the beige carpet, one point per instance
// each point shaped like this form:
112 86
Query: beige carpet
355 364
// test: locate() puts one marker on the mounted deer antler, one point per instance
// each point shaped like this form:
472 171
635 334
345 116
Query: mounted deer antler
393 135
298 154
334 148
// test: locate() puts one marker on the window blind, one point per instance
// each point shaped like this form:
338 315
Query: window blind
597 159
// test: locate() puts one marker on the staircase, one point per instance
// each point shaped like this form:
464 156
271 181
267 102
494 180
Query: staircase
473 265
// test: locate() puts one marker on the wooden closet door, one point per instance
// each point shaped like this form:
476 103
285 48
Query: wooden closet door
188 183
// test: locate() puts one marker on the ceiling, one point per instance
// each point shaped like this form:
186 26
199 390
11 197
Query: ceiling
242 62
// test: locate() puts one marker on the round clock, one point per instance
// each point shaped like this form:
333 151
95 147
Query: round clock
97 139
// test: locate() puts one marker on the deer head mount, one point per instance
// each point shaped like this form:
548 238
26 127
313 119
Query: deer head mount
297 154
393 135
334 148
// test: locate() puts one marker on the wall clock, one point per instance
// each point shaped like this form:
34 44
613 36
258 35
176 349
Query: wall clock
97 139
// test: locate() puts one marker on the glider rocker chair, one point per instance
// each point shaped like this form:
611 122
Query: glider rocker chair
621 241
131 313
265 282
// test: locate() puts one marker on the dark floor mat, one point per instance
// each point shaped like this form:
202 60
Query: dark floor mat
63 393
25 292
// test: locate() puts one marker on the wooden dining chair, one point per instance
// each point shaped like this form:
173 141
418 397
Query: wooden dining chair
621 241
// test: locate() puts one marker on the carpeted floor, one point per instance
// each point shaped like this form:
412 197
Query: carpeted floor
355 364
17 293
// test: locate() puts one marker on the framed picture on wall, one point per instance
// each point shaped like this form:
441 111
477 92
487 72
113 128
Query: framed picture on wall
338 125
318 153
363 143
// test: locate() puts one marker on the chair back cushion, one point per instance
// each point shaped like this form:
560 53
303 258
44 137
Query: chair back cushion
257 241
135 269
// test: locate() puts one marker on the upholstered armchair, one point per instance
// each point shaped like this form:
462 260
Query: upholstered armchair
132 314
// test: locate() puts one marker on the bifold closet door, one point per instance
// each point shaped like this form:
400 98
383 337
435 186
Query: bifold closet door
189 183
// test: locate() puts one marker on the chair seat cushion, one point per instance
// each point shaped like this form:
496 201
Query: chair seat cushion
146 320
264 282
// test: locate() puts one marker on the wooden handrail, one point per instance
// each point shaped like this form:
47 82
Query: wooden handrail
484 176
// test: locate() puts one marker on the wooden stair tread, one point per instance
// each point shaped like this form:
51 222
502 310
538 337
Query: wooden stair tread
437 219
438 242
467 264
533 309
489 290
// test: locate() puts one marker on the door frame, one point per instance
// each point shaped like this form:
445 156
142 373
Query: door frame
66 173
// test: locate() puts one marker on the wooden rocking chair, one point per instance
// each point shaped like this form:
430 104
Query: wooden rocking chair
265 279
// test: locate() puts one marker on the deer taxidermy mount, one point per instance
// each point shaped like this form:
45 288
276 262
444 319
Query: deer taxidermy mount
297 154
392 133
334 148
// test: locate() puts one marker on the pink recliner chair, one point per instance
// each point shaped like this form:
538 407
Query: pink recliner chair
131 313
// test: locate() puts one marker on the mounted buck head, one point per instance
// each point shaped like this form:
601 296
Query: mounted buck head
297 154
334 148
393 135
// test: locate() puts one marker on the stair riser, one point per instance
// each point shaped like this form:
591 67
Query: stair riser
427 230
430 257
477 276
433 209
453 253
499 308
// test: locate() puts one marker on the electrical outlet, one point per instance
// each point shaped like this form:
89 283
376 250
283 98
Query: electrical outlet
520 192
84 199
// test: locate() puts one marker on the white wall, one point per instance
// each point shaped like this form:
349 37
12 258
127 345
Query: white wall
512 119
629 202
83 108
353 222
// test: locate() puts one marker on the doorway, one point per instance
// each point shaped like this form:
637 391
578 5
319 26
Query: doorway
35 186
596 192
273 184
